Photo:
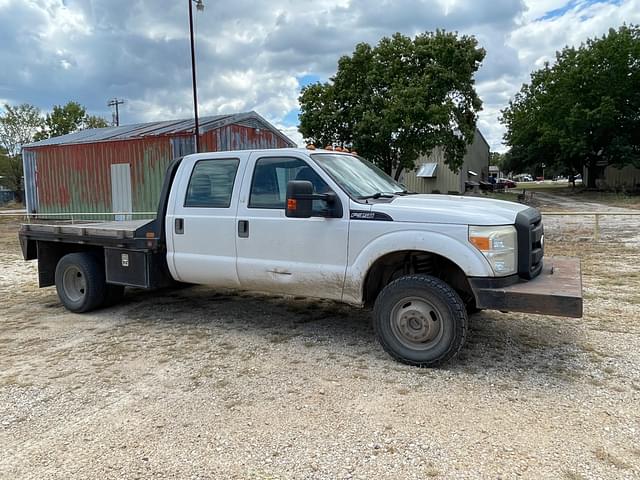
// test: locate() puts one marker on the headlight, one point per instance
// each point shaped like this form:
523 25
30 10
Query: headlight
499 245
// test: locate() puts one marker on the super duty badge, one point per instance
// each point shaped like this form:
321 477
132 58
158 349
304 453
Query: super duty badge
364 215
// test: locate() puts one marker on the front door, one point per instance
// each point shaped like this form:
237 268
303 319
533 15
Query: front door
121 191
277 254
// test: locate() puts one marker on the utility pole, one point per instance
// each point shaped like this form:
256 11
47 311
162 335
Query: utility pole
114 103
199 7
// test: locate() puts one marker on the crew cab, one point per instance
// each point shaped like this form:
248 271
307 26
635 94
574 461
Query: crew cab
325 224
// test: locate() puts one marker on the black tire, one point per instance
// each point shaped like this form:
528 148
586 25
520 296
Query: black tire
420 320
80 282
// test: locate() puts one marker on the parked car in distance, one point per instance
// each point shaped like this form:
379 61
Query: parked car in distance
523 177
506 183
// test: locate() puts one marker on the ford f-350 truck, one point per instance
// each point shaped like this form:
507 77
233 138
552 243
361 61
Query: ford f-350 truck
324 224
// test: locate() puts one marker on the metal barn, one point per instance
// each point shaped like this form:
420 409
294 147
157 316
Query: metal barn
121 169
432 175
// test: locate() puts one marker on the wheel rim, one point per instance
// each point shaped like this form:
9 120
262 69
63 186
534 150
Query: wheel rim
75 285
416 323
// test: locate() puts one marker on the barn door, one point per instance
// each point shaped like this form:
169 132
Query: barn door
121 190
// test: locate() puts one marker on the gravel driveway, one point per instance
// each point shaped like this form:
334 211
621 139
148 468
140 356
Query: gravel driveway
613 228
195 383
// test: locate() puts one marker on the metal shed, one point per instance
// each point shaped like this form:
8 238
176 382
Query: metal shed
432 175
121 169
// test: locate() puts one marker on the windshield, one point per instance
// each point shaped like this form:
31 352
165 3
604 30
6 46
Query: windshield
358 177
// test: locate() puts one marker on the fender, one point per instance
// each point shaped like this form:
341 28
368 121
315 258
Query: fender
463 254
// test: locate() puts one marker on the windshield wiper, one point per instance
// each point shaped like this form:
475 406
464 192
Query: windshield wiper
376 195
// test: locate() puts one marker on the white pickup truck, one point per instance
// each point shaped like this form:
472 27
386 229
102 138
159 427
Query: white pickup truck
325 224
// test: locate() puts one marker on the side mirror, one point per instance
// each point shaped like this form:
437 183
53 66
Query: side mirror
299 199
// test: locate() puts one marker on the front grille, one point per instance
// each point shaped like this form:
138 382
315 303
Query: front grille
530 243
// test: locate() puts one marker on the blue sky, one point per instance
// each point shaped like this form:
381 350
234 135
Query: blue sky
573 4
255 55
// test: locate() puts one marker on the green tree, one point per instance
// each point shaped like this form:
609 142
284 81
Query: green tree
93 121
581 111
496 159
68 119
18 126
399 99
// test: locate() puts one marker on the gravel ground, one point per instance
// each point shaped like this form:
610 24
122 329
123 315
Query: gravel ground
623 229
195 383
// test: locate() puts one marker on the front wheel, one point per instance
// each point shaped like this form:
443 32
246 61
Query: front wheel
420 320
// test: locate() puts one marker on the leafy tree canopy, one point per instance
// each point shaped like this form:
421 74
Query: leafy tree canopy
22 124
93 121
399 99
68 118
582 111
18 126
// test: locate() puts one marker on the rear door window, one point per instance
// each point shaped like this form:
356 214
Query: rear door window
211 183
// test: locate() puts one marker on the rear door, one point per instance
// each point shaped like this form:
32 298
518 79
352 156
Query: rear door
295 256
201 225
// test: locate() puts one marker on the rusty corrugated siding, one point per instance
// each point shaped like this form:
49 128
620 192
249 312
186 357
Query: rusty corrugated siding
239 137
77 178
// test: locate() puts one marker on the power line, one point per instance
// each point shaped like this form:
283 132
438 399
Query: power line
115 103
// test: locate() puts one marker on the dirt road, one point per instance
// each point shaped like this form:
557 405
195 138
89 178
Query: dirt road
197 383
614 228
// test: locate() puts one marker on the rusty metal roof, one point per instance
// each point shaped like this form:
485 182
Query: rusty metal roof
155 129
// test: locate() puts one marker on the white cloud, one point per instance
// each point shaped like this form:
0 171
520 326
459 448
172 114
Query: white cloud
251 54
292 133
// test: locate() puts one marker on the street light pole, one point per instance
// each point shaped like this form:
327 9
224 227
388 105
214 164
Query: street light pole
199 6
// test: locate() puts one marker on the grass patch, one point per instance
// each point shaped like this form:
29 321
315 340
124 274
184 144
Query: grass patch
508 197
614 199
431 471
571 475
556 186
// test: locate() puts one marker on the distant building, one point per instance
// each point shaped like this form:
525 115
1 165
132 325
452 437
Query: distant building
627 178
494 171
121 169
432 175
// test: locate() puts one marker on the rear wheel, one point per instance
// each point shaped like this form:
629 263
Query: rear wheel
420 320
80 282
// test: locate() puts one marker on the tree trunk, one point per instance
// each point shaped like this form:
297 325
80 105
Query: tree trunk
388 166
396 175
592 174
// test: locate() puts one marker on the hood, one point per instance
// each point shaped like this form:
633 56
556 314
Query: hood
453 209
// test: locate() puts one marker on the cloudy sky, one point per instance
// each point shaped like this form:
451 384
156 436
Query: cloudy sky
256 55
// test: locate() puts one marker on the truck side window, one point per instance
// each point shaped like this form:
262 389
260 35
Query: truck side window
270 178
211 183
